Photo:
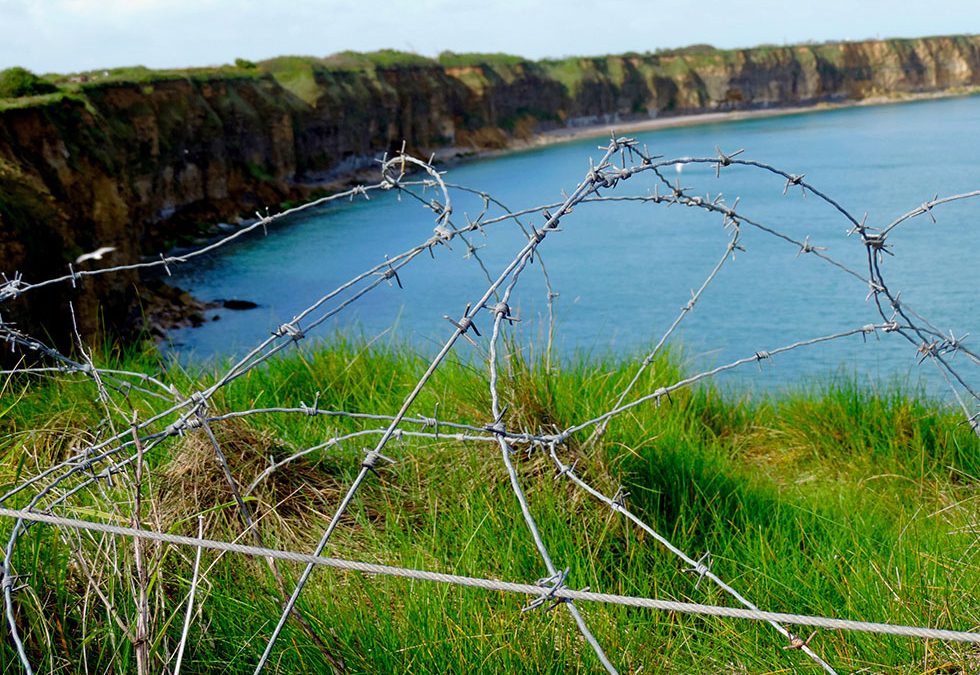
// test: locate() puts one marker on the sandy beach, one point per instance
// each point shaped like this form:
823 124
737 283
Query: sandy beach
566 134
453 155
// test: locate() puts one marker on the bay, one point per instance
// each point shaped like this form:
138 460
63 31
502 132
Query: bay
623 271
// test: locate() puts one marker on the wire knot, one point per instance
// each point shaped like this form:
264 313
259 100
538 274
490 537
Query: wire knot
566 469
807 247
465 324
561 437
315 409
390 273
952 343
794 179
552 584
11 287
199 407
537 236
875 241
798 643
443 234
502 309
619 499
725 160
371 458
660 393
290 329
108 473
927 207
550 221
874 288
177 428
928 349
497 426
434 204
8 582
701 567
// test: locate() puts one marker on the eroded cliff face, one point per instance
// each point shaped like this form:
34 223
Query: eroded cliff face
703 80
137 164
128 166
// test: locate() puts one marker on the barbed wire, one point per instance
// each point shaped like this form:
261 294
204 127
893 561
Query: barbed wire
542 590
128 435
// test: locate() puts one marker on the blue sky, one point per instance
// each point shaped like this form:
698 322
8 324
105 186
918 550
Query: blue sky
71 35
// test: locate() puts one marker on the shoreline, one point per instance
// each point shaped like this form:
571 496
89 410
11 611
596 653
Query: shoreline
569 134
455 155
340 180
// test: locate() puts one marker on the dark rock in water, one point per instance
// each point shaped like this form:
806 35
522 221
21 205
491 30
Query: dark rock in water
164 307
238 304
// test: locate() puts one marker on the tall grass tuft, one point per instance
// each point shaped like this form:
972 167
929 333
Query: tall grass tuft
839 501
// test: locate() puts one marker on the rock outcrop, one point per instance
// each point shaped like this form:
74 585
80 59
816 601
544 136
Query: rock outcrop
138 160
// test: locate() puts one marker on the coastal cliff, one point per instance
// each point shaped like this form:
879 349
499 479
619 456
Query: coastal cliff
140 160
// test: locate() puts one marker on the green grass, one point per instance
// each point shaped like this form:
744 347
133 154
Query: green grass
18 82
310 78
319 81
382 58
461 60
39 101
837 501
96 79
296 74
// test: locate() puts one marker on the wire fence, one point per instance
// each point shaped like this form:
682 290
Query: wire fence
129 434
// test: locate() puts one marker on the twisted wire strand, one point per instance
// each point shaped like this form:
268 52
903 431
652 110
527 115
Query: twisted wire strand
504 586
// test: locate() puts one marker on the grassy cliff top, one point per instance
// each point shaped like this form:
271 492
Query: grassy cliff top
297 71
838 501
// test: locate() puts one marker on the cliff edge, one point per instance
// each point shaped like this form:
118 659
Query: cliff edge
138 160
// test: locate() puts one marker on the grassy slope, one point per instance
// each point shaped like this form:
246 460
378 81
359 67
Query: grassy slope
837 502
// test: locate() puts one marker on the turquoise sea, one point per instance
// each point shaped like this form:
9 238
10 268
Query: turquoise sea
624 270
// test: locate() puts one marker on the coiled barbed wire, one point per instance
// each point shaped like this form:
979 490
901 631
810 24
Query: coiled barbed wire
121 451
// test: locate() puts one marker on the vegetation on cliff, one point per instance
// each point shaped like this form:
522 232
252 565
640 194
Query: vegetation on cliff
138 159
19 82
839 501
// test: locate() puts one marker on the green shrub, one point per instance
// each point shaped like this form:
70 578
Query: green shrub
17 82
452 59
382 58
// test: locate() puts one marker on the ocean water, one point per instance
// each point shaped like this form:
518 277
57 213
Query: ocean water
624 270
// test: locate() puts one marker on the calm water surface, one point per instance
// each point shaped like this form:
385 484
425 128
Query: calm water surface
623 271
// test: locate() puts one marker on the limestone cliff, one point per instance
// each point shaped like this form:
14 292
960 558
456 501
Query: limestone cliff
136 159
